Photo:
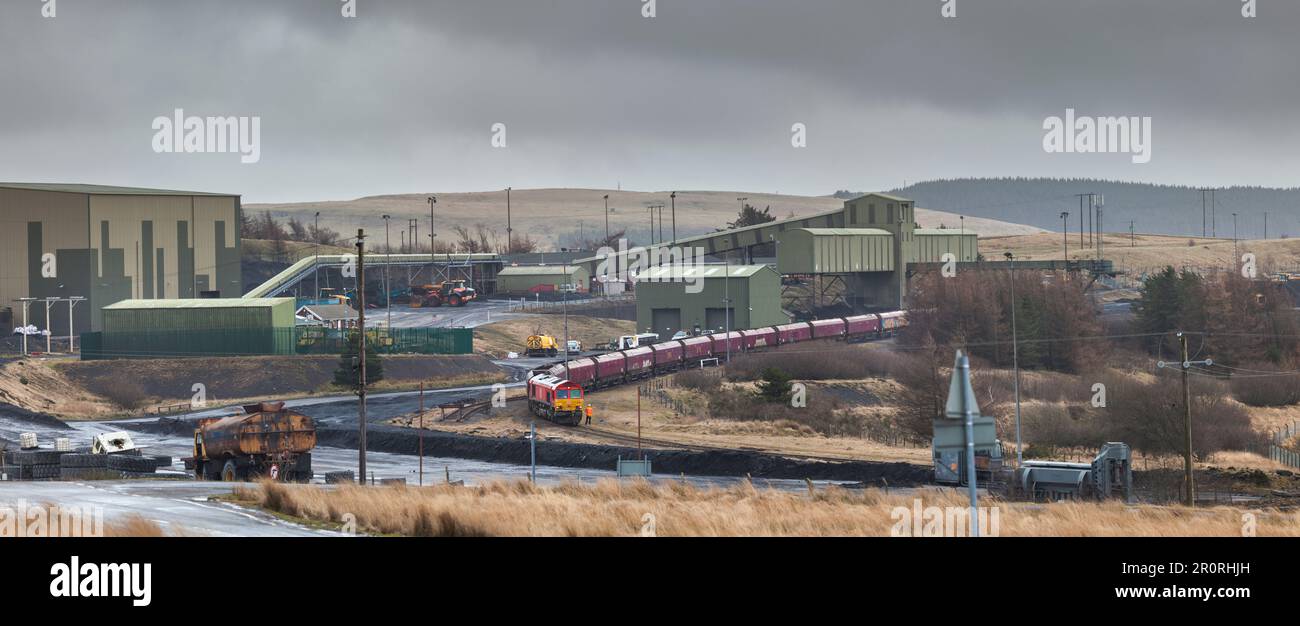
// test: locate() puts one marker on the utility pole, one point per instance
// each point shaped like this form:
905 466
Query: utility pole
1187 363
606 219
672 197
421 433
1081 213
432 201
1266 225
1065 233
565 307
361 352
1131 242
532 451
388 291
1101 244
726 303
1015 352
1204 215
1235 255
510 239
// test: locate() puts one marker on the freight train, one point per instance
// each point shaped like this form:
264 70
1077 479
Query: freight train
622 366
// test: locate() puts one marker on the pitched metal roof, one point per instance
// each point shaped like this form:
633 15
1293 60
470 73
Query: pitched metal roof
199 303
107 190
700 271
539 270
847 231
952 232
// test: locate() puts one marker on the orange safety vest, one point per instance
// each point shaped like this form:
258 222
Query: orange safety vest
588 410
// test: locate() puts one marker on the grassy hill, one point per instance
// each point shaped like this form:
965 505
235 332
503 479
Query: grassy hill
1159 209
562 217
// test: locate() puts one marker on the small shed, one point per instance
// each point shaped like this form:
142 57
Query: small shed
336 316
530 279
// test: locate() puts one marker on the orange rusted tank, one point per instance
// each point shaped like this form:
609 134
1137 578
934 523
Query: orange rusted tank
266 440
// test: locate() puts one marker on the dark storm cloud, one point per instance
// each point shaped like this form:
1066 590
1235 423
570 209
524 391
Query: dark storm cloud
402 98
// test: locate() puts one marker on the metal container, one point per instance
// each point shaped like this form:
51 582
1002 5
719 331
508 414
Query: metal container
697 347
789 333
720 341
862 324
822 329
266 429
639 361
610 367
759 338
667 354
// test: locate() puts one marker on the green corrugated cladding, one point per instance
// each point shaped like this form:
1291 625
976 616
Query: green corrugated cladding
835 251
183 328
755 300
269 341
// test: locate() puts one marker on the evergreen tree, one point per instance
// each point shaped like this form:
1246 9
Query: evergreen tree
775 386
348 373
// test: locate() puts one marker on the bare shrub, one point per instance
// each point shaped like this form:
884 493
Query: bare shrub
824 413
817 361
1266 385
127 394
698 380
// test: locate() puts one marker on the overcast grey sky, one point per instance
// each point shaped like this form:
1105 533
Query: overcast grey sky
402 98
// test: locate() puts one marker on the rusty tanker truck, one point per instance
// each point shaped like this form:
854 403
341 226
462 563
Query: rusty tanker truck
267 440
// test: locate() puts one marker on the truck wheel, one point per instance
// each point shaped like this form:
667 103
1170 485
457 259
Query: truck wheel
229 473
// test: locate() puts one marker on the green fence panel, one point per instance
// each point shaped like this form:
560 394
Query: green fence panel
269 341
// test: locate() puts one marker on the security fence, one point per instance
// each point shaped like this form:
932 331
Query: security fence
270 341
1277 449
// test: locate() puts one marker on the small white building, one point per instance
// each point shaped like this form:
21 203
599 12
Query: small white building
336 316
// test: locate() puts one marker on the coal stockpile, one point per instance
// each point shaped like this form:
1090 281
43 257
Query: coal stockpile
590 456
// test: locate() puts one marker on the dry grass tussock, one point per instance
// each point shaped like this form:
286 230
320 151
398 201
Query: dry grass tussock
612 508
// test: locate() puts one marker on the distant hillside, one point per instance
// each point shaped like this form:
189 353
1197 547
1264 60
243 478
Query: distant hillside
1159 209
562 217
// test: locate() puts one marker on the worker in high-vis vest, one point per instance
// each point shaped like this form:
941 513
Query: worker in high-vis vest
589 415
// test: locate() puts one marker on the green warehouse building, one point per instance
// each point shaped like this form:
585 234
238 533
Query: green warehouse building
689 298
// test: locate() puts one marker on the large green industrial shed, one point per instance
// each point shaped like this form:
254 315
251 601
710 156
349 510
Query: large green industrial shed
673 298
193 327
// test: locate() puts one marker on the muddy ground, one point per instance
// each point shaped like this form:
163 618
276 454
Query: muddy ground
258 377
382 438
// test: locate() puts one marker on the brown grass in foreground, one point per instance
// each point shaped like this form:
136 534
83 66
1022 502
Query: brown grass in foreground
612 508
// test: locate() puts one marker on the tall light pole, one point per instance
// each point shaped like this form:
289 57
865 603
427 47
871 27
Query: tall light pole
510 238
565 306
388 260
361 352
1065 233
672 197
742 203
1015 351
315 263
1234 238
726 302
432 261
961 239
607 219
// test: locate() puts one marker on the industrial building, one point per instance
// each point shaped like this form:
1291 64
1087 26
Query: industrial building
870 243
193 327
532 279
107 244
697 298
